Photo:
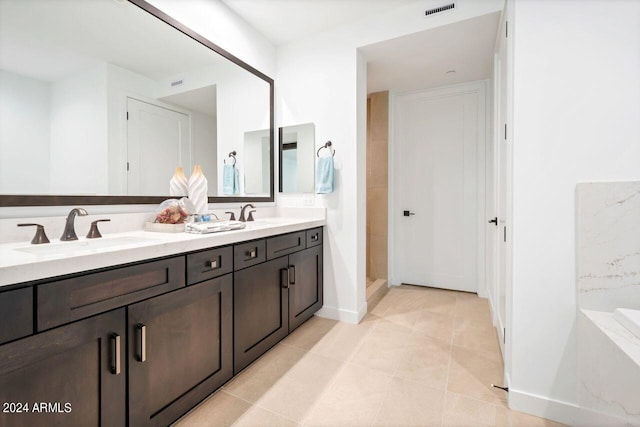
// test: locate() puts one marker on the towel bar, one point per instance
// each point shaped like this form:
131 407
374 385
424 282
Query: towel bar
326 145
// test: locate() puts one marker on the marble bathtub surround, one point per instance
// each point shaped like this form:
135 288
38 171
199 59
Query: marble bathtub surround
608 278
609 370
608 245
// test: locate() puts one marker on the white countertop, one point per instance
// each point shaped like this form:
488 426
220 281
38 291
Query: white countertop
17 266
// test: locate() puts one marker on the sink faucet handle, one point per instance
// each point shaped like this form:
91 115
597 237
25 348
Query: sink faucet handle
250 218
94 233
232 217
40 236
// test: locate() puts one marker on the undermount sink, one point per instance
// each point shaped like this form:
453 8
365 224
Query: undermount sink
68 248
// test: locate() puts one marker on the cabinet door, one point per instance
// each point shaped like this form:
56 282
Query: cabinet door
259 310
305 288
180 350
69 376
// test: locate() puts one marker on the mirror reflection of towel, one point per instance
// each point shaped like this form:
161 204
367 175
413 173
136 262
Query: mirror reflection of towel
230 180
324 175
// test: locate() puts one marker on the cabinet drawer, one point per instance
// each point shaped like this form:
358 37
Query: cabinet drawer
17 314
209 264
314 237
248 254
67 300
285 244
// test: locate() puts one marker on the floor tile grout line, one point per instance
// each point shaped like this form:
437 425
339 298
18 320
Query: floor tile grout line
256 405
446 386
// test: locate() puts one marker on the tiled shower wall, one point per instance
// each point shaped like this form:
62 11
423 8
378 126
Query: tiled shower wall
377 188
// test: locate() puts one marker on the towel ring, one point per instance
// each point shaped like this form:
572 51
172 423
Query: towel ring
326 145
233 156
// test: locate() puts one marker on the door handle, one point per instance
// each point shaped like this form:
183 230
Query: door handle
408 213
494 221
115 362
142 333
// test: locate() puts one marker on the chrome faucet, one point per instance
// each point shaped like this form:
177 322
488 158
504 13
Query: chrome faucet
242 209
69 232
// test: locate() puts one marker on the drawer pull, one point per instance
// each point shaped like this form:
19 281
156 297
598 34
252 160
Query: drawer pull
115 362
142 333
292 276
314 237
284 277
213 264
253 253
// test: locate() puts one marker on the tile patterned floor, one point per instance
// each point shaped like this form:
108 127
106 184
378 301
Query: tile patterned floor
421 357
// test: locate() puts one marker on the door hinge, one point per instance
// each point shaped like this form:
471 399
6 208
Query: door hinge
127 115
506 29
127 166
505 131
504 335
505 233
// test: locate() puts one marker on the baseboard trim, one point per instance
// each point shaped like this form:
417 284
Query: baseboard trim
543 407
341 315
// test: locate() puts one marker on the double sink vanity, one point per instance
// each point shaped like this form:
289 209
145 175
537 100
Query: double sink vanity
136 328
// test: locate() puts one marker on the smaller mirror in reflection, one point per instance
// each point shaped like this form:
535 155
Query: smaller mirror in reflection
297 161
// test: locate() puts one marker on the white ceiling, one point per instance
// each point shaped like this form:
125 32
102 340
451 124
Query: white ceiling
415 61
422 60
283 21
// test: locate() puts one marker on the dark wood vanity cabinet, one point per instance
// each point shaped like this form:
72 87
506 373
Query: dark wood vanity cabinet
180 350
305 287
260 311
142 344
74 375
16 309
273 298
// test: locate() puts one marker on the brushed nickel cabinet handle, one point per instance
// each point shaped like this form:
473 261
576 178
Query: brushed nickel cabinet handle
213 264
115 362
314 237
253 253
142 332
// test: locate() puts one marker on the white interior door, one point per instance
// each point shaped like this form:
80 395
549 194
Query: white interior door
436 139
158 140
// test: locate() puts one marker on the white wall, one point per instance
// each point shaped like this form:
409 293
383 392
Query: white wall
79 133
241 100
322 79
24 134
576 119
205 136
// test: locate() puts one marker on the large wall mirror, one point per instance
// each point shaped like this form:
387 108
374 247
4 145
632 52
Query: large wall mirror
101 100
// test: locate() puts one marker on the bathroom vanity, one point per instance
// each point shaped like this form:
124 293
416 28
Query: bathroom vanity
144 339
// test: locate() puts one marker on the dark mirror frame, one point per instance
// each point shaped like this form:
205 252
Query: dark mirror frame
53 200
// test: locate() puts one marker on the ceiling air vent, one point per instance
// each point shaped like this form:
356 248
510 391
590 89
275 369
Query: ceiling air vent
439 9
